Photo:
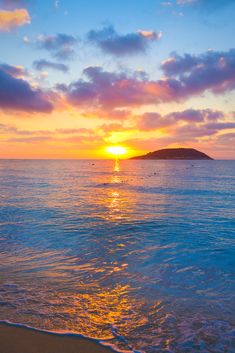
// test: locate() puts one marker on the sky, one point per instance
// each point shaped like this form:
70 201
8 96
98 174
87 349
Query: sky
77 77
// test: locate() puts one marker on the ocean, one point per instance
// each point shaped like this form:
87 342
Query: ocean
137 254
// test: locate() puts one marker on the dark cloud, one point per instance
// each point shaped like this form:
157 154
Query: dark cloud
213 71
116 44
45 64
15 71
217 126
60 45
17 94
177 65
196 116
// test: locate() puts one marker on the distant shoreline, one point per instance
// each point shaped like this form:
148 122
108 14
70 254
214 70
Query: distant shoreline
175 154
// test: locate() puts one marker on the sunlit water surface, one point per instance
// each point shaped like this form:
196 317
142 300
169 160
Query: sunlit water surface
139 254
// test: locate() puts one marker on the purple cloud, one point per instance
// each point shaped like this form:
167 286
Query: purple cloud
60 45
117 90
152 121
15 71
109 41
17 94
13 4
213 71
185 76
45 64
196 116
188 132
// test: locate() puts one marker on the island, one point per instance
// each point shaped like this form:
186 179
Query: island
175 154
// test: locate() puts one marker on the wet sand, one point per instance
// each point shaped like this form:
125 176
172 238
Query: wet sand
14 339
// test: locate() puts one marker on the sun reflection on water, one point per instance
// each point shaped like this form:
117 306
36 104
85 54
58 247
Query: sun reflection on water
117 165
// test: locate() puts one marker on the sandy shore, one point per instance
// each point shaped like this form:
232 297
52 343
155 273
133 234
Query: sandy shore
15 339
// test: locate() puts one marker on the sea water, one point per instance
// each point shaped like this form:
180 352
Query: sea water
137 254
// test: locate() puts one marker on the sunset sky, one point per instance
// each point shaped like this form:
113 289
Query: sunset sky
78 76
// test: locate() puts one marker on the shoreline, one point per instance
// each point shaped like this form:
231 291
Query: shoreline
22 339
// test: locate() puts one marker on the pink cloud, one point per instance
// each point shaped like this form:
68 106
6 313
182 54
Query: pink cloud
185 76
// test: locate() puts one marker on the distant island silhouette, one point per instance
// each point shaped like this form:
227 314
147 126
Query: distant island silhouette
175 154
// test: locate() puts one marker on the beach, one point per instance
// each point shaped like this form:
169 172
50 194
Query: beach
14 339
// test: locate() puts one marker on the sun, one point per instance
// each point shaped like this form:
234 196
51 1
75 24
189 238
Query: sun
116 150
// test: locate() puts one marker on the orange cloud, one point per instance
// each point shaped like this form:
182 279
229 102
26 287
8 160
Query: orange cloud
13 19
150 34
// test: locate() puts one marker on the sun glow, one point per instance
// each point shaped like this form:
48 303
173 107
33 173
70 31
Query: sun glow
116 150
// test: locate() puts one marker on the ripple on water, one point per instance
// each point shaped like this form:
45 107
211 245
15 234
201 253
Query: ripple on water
140 256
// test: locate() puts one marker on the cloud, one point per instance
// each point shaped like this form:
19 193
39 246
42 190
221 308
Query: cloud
176 64
186 2
60 45
15 71
18 94
56 4
196 115
212 70
10 20
45 64
83 131
193 117
13 4
33 139
82 136
106 128
152 121
91 112
15 131
109 41
117 90
189 132
180 132
206 4
227 138
185 76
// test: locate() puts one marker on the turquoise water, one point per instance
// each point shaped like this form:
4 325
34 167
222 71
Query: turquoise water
138 254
